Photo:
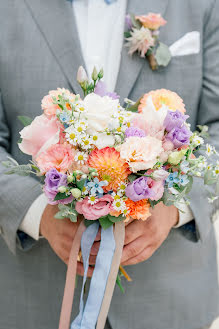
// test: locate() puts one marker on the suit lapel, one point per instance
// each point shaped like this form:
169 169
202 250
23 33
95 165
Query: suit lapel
56 22
130 67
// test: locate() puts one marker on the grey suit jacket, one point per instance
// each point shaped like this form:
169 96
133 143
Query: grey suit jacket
39 51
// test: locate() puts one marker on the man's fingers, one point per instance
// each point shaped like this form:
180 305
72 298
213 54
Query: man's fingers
95 248
141 257
133 231
80 270
134 248
92 260
98 237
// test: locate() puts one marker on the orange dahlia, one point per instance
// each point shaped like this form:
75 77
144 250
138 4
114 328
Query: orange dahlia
163 96
138 209
109 166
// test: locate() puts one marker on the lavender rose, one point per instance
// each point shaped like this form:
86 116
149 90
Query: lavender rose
179 136
174 119
134 131
139 189
54 179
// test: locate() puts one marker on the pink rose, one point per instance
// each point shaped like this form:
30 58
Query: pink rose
39 132
92 212
151 21
59 156
157 187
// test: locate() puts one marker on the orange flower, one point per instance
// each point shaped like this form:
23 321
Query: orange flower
163 97
152 21
139 209
109 166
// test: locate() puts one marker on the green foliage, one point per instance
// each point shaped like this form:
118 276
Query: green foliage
115 219
66 212
80 184
88 222
61 196
162 54
209 178
105 222
132 177
135 22
127 34
25 120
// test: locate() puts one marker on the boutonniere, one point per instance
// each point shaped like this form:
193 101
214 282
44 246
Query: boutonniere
142 36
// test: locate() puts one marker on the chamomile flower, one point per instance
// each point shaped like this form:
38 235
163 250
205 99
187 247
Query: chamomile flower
86 143
71 135
84 190
81 157
216 169
94 139
197 140
212 199
210 150
121 188
119 205
92 199
202 164
116 196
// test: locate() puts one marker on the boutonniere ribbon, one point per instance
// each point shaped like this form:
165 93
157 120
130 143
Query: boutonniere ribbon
142 36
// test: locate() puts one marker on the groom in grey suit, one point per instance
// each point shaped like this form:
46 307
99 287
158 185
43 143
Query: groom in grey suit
175 287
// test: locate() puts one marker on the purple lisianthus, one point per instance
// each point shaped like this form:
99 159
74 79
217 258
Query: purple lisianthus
139 189
134 131
54 179
179 136
101 90
174 119
128 21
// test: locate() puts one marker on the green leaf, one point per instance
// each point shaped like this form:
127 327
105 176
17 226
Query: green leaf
61 196
134 107
162 55
73 217
115 219
209 178
132 177
118 282
80 184
127 34
25 120
88 222
59 215
105 222
135 22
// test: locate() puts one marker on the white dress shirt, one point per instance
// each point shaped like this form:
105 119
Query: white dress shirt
100 28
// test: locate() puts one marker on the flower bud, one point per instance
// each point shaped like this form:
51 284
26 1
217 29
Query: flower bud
70 179
94 74
62 189
84 176
94 174
160 174
81 75
76 193
100 74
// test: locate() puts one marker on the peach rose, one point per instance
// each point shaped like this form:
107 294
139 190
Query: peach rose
47 103
141 153
37 134
93 212
151 21
59 156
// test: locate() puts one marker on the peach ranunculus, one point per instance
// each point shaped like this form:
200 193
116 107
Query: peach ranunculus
59 156
47 103
152 21
141 153
101 208
40 132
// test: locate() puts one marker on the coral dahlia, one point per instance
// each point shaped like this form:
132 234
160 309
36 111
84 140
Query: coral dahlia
163 97
110 167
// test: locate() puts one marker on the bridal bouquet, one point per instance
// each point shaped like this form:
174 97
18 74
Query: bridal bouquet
111 164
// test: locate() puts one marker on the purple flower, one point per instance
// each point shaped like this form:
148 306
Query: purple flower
139 189
174 119
53 181
134 131
179 136
101 90
128 21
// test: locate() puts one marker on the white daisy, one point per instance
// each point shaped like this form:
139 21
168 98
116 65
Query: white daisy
92 199
210 150
81 157
86 143
197 140
119 205
84 191
71 135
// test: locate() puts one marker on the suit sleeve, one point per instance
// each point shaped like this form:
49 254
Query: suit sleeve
17 192
208 114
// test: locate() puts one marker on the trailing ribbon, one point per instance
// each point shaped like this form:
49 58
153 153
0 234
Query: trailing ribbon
87 319
67 302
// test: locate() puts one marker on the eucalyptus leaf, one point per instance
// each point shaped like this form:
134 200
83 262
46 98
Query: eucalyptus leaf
162 55
25 120
105 222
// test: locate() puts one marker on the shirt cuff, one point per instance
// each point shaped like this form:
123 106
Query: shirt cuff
185 214
31 222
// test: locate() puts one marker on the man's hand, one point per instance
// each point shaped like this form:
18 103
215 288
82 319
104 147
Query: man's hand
60 234
142 239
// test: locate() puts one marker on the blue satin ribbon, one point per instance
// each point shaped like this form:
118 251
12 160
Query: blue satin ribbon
88 315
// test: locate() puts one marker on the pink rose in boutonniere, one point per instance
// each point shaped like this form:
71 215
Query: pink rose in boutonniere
142 37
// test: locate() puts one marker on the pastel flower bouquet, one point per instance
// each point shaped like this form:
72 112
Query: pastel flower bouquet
109 164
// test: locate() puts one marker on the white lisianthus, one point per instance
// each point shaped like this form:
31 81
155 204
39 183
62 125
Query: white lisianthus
99 111
104 140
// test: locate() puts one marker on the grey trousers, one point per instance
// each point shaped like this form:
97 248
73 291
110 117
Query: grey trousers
108 326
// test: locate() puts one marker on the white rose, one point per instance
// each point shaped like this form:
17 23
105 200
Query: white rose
99 111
